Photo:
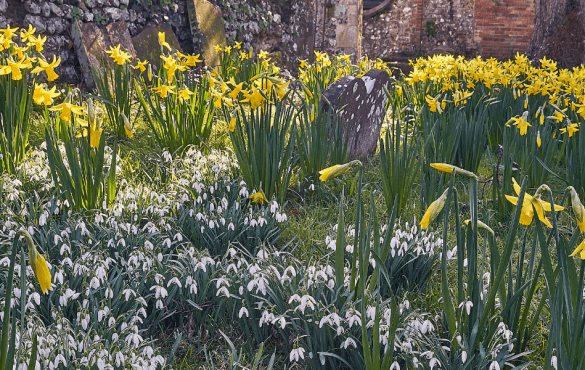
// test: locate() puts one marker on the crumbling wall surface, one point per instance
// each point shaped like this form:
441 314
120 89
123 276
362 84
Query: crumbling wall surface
416 26
338 26
503 27
392 31
448 23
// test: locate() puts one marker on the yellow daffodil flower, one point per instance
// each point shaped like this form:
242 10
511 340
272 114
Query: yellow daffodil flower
119 56
8 32
49 68
192 60
238 45
520 122
538 140
236 90
255 98
572 128
37 42
141 65
66 109
232 125
91 128
171 65
184 95
27 35
258 198
162 42
263 54
580 248
14 68
164 90
218 48
434 209
41 96
531 204
433 104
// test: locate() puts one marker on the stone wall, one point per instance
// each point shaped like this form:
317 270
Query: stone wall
491 28
54 18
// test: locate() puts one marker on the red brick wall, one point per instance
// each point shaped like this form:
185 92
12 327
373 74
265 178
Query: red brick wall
503 27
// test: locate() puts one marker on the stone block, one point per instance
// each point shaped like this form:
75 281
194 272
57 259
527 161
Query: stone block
91 42
361 105
207 18
147 46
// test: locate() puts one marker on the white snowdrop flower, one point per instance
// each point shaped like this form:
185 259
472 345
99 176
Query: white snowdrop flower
253 222
127 293
241 290
159 257
281 217
111 322
94 283
348 342
222 281
494 366
297 354
178 237
43 219
35 297
468 305
434 362
395 366
427 326
120 360
231 226
175 281
134 338
273 206
312 187
281 320
553 362
59 359
262 221
463 356
223 290
160 292
211 207
243 311
159 304
349 248
102 313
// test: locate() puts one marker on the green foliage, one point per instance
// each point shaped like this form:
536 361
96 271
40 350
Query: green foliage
16 98
264 141
178 123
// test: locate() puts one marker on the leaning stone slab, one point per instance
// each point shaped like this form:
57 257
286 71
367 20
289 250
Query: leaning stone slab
207 18
361 105
91 43
147 46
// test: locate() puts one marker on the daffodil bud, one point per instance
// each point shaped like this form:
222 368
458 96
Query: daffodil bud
337 170
37 262
481 225
90 110
449 168
434 209
576 204
540 190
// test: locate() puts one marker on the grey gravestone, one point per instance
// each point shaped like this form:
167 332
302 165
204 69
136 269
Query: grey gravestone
207 18
91 43
361 104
